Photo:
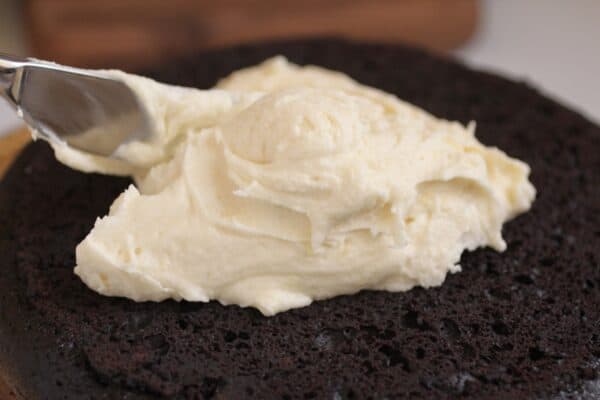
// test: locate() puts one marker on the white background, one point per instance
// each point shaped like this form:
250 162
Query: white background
552 44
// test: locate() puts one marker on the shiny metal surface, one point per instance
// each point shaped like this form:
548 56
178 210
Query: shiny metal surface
88 111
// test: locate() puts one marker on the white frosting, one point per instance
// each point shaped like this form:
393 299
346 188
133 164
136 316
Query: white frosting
288 184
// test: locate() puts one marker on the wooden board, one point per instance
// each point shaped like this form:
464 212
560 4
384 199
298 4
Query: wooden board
134 33
10 147
6 393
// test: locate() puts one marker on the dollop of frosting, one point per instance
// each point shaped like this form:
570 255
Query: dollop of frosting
288 184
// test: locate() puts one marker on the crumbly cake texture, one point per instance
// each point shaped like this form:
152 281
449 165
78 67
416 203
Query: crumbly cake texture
523 324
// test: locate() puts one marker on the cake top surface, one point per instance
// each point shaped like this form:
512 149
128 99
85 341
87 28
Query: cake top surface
522 324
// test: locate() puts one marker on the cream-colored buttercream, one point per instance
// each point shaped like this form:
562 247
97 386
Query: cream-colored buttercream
288 184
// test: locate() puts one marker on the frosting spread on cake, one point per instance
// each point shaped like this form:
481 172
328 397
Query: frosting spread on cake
287 184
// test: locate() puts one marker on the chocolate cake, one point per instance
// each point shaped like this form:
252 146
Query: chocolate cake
523 324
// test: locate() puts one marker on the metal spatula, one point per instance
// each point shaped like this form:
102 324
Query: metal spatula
90 112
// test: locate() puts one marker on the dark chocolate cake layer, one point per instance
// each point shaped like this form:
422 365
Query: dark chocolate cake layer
524 324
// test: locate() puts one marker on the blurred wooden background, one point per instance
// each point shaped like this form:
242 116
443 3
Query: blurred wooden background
130 33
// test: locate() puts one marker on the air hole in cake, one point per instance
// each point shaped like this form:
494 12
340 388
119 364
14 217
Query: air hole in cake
182 324
547 261
524 279
449 329
536 354
229 336
394 357
500 328
413 320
